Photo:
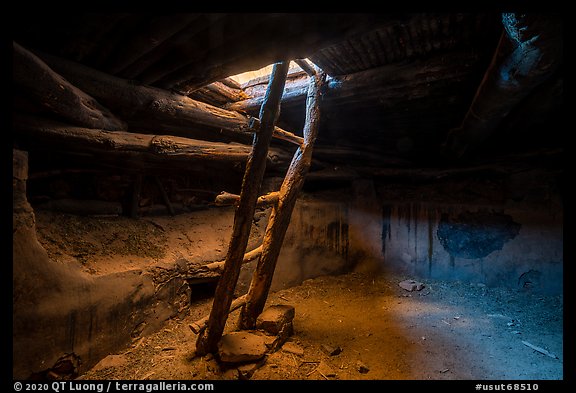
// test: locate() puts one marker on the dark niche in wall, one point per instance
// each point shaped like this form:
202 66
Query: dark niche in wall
473 235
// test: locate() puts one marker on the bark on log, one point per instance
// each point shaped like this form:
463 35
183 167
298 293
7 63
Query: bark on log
146 108
216 94
248 257
227 199
151 109
231 83
207 342
529 52
57 95
281 214
384 84
136 149
279 133
200 325
306 67
294 94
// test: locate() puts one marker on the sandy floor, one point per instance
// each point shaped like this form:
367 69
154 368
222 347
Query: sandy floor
445 331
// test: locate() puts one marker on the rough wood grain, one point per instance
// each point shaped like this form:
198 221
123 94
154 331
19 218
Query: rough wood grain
208 341
138 150
57 95
281 214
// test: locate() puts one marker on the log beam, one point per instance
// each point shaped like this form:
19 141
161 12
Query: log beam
385 84
529 52
150 108
208 340
137 150
306 67
216 94
279 133
281 214
57 95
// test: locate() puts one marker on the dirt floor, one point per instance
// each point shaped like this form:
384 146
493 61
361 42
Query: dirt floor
446 331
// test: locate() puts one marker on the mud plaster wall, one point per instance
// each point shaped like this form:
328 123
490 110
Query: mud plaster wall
60 312
317 243
497 246
330 232
496 240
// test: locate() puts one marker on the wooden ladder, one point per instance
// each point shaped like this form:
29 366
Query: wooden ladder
210 329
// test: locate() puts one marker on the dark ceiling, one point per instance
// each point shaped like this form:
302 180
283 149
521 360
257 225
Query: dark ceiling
398 82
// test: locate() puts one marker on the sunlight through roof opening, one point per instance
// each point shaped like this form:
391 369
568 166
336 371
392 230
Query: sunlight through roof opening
265 71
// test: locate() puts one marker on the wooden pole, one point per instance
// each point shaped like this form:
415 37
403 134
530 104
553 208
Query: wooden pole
386 84
148 108
281 214
200 325
306 67
248 257
208 340
145 107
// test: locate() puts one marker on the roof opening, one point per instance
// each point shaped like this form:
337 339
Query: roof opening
264 71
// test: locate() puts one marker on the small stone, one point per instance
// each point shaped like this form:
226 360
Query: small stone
361 367
231 374
243 346
411 285
330 350
247 370
293 348
275 318
325 369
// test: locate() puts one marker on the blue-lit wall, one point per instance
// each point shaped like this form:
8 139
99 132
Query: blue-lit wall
511 247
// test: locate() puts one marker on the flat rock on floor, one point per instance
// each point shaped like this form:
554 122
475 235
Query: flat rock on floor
293 349
243 346
411 285
325 370
330 350
274 318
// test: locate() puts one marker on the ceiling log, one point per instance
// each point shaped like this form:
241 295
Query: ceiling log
528 53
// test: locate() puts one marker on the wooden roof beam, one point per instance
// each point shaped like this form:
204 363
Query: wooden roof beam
528 53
